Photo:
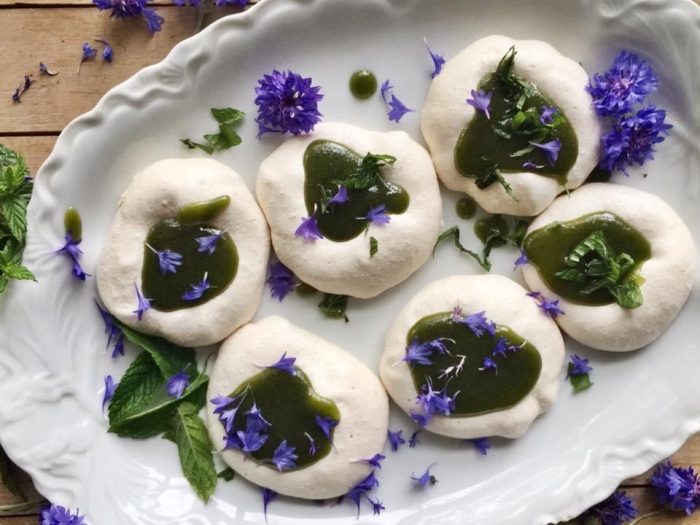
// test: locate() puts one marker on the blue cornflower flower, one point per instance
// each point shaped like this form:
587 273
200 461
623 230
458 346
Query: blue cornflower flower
168 261
308 229
551 149
482 445
110 388
255 418
58 515
177 384
395 439
71 250
547 114
281 280
425 478
312 444
397 109
197 290
285 364
226 409
111 329
439 344
340 197
625 84
417 352
548 306
88 51
284 457
118 347
481 101
268 495
252 438
615 510
488 364
378 215
107 51
677 488
438 60
192 3
477 323
578 366
375 461
360 491
208 243
377 506
528 164
632 140
501 347
432 402
123 9
143 303
44 70
287 103
326 425
521 260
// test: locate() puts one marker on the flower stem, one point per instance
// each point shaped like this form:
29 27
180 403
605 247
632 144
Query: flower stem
643 517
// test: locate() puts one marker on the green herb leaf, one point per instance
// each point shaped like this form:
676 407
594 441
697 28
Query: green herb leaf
206 148
227 137
373 247
169 358
491 176
195 450
14 209
628 294
369 172
454 234
227 474
8 473
334 306
579 382
519 232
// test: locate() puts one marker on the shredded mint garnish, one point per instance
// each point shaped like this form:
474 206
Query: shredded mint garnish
15 191
228 119
334 306
369 172
594 265
373 246
227 474
454 234
577 373
493 174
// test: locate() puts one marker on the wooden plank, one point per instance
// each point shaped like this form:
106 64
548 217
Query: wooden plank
9 4
57 35
33 149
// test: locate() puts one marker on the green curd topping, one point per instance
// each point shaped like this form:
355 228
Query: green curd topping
329 165
290 405
179 235
593 260
477 390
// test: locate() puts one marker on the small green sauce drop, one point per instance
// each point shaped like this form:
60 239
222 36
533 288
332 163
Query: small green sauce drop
326 165
179 236
480 391
466 208
203 211
363 84
479 147
290 404
547 247
73 223
486 225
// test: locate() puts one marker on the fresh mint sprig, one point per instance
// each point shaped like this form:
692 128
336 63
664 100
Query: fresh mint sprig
369 173
15 192
228 119
141 407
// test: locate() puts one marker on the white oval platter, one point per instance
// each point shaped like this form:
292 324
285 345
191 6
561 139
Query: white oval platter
641 408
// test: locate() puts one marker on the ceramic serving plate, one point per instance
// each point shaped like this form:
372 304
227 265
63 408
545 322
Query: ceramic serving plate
641 408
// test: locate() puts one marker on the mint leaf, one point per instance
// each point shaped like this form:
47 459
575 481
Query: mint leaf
169 358
195 450
492 175
369 172
228 119
196 145
373 246
227 474
454 234
154 414
14 209
580 382
334 306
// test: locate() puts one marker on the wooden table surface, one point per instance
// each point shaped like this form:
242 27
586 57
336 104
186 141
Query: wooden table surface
52 31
